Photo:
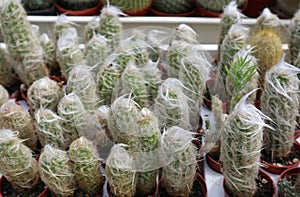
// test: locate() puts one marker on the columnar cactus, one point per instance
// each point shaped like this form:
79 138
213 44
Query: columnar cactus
91 29
17 163
217 6
111 26
86 166
295 37
4 96
280 102
61 24
81 82
96 51
43 93
120 173
268 20
55 169
178 176
240 148
49 129
17 118
49 48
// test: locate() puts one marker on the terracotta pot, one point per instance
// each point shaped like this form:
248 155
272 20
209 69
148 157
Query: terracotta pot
86 12
213 164
158 13
207 13
142 12
297 134
288 173
279 169
45 192
261 174
255 7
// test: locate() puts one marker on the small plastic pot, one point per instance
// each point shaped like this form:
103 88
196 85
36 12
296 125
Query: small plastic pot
255 7
295 171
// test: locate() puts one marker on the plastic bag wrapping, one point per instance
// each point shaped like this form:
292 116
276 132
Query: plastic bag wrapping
62 22
280 102
81 81
68 53
91 29
4 96
242 141
49 49
49 128
219 6
294 31
43 93
96 51
17 118
186 33
17 163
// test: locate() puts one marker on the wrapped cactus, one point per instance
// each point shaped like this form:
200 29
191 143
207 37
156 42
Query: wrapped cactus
91 29
295 38
240 148
82 83
85 159
119 171
171 105
133 7
43 93
111 26
96 51
217 6
280 102
17 163
4 96
49 48
49 129
174 7
17 118
55 169
178 176
62 22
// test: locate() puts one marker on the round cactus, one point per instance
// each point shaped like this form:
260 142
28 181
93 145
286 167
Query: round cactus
130 7
217 6
174 7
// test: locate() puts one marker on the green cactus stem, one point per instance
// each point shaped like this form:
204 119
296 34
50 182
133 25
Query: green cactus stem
218 6
174 7
96 51
17 163
37 4
81 82
91 29
280 102
133 7
62 22
86 166
43 93
17 118
289 186
120 173
4 96
241 148
55 169
49 48
178 176
49 129
294 28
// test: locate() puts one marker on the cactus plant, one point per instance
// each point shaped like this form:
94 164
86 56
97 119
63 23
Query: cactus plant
55 169
119 171
217 6
96 51
178 176
133 7
280 102
91 29
49 129
86 166
62 22
49 48
295 38
78 5
174 7
240 148
17 118
37 4
289 186
4 96
81 82
43 93
17 163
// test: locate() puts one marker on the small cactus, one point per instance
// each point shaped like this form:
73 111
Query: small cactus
17 163
217 6
174 7
55 169
295 38
120 173
17 118
91 29
130 7
96 51
289 187
37 4
86 166
49 48
62 22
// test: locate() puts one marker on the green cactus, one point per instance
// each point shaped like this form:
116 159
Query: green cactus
96 51
49 129
217 6
37 4
49 48
122 59
103 114
55 169
43 93
119 172
289 187
241 148
78 5
130 7
17 163
171 105
86 166
295 38
17 118
81 82
280 102
4 96
62 22
174 7
91 29
111 27
178 176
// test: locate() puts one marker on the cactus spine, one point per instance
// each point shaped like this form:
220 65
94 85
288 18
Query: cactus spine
174 7
217 6
295 38
130 7
49 48
289 188
86 166
91 29
17 163
96 51
56 171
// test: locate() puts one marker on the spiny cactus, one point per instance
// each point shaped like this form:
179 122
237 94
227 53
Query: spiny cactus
217 6
171 105
96 51
78 5
111 26
17 163
240 148
49 48
17 118
280 102
119 171
37 4
62 22
178 176
81 82
295 38
130 7
55 169
91 29
289 187
86 166
174 7
49 129
4 96
43 93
